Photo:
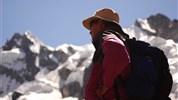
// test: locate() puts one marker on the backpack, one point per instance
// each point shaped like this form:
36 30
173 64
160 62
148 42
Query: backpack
150 78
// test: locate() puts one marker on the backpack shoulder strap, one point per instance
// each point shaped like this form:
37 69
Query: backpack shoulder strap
124 38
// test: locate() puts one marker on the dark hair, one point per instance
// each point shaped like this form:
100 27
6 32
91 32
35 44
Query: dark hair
117 27
109 23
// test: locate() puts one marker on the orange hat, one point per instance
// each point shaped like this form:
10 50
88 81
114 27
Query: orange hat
104 14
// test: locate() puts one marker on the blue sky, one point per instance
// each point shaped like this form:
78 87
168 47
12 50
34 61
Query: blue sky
56 22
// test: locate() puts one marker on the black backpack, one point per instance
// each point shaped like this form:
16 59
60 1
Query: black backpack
150 78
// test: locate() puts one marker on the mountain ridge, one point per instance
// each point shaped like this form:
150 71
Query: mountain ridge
28 63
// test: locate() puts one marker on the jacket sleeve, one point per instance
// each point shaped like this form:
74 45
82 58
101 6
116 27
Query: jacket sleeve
116 59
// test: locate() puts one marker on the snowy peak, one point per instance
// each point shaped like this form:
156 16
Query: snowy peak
22 42
143 24
159 25
15 42
33 39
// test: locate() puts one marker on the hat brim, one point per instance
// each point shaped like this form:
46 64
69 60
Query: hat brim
86 22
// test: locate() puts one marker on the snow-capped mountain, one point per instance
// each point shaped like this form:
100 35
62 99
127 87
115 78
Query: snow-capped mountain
31 70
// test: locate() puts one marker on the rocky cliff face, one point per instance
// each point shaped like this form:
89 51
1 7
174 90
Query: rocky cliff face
162 26
30 68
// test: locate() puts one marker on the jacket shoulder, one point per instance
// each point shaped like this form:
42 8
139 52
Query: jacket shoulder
109 37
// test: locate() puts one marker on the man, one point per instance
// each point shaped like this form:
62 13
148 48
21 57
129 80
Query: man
111 58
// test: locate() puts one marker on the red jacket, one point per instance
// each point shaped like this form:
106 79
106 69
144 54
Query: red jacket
116 62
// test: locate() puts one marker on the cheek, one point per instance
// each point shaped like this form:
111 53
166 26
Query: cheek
92 33
94 30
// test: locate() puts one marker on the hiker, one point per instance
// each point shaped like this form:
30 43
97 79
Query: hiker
110 60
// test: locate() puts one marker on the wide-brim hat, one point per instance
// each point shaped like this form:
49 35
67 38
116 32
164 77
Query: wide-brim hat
104 14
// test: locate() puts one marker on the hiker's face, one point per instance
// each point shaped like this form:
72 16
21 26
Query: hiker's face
95 28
